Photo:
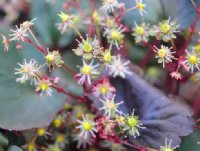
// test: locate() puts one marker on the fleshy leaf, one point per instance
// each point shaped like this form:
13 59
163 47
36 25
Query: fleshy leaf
185 12
163 117
21 107
14 148
3 140
191 142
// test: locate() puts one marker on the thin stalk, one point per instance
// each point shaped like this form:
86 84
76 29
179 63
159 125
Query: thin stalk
61 90
173 44
77 32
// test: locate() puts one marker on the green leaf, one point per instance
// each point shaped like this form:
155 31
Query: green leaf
45 25
21 107
191 142
153 9
3 140
14 148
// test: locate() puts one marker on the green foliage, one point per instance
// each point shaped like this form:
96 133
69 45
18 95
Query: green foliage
3 140
191 142
21 107
14 148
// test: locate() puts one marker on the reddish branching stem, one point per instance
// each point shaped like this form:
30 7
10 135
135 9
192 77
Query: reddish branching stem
42 50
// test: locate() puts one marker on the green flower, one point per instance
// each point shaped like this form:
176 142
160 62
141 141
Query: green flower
88 48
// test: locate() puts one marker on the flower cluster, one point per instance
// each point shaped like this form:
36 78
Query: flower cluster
88 48
100 117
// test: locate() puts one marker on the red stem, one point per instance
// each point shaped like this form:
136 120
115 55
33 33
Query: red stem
148 56
139 148
42 50
191 30
61 90
90 30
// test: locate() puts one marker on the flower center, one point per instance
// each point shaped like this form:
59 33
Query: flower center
162 53
64 17
26 69
50 57
60 138
87 47
164 28
110 1
139 30
43 86
41 131
103 89
107 57
193 59
140 6
57 122
115 35
31 147
87 126
132 122
168 149
86 70
111 105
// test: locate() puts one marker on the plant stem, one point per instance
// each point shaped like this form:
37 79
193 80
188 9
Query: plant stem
148 56
133 145
77 32
61 90
128 10
42 50
90 30
173 44
191 31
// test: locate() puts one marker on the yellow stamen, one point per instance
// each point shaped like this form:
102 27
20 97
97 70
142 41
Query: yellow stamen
116 35
104 89
60 138
41 131
140 6
164 28
193 59
139 30
86 70
50 57
107 56
87 126
132 122
162 53
64 17
43 86
87 47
